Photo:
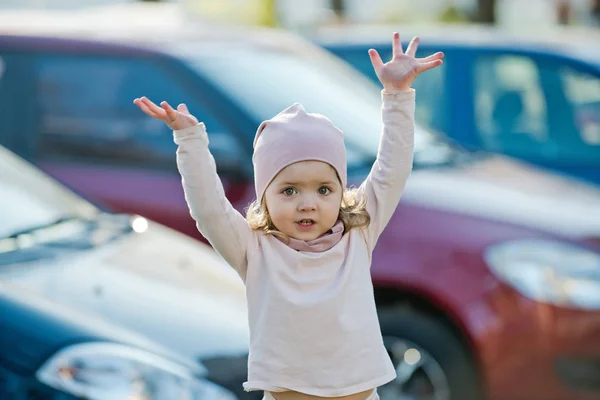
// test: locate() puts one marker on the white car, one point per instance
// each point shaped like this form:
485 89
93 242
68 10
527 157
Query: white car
131 271
53 352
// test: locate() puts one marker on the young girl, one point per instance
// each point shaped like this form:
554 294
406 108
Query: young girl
304 248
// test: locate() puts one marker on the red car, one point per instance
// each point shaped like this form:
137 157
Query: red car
487 278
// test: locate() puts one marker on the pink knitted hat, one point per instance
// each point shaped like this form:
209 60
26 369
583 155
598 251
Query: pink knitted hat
294 135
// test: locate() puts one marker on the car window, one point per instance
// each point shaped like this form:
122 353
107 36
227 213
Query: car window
87 112
430 112
509 102
535 110
582 91
29 198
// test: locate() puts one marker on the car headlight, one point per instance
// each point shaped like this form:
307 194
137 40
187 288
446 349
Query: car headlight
549 271
99 371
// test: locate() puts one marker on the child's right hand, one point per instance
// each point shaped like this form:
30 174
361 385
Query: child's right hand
175 119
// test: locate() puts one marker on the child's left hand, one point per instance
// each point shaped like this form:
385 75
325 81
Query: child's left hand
403 69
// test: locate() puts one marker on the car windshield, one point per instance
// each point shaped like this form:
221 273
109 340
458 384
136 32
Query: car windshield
29 200
266 81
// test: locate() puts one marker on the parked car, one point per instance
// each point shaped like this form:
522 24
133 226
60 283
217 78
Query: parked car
124 268
486 278
531 97
52 352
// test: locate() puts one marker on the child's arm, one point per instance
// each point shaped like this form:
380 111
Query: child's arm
222 225
385 184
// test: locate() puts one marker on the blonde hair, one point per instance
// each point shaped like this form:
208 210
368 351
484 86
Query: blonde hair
353 213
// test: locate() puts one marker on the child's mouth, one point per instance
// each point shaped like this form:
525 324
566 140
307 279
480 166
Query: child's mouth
305 224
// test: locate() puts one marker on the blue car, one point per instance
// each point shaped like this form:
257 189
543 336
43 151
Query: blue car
49 351
533 99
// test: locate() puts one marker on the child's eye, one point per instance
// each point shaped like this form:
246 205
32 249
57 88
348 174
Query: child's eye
324 190
289 191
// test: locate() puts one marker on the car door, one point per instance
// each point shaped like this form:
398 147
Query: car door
95 140
540 108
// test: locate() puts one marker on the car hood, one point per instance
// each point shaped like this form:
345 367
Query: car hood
503 189
27 318
173 289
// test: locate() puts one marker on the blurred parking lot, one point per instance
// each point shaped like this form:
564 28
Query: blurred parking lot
487 278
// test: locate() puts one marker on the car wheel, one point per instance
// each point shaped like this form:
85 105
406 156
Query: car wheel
431 363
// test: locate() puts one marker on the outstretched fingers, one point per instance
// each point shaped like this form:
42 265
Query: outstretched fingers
426 66
411 50
375 59
147 106
170 112
396 45
433 57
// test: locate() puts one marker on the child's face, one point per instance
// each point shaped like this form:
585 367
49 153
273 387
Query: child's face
304 199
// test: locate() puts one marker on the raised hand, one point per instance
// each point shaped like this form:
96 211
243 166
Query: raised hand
175 119
403 69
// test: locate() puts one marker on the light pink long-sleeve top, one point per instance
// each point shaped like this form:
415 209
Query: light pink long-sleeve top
312 316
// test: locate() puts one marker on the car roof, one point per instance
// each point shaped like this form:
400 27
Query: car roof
133 27
580 43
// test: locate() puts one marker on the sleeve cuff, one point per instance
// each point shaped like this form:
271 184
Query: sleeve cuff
394 98
192 131
398 93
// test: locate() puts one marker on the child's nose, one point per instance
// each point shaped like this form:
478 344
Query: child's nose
307 203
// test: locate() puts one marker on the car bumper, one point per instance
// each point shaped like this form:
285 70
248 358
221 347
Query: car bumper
577 350
530 350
